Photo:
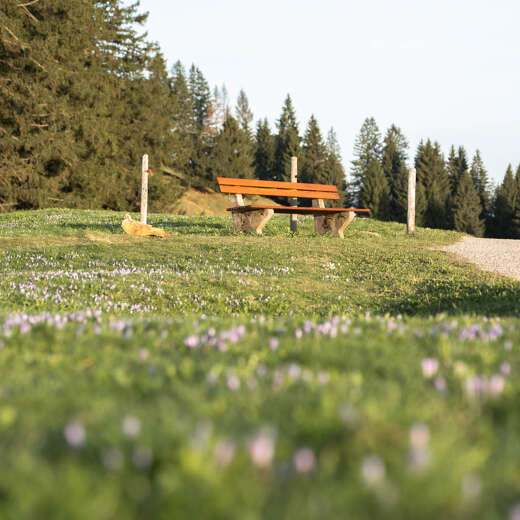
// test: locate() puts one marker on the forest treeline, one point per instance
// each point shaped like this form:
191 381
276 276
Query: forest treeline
83 94
452 192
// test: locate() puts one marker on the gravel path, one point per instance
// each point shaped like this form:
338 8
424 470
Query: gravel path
491 254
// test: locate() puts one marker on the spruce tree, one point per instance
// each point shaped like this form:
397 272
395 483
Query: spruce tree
367 149
75 78
200 97
481 183
506 197
312 165
467 208
334 168
456 166
287 142
183 126
517 182
243 112
515 224
40 84
394 165
221 106
375 193
232 155
432 175
264 151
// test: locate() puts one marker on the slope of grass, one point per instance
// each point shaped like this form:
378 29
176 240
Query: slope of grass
212 375
67 261
194 202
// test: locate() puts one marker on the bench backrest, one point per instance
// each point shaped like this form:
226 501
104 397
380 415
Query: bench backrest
275 188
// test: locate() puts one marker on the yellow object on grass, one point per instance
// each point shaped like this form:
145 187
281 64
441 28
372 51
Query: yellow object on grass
132 227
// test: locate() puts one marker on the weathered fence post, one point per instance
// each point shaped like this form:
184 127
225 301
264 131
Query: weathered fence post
411 201
294 202
144 189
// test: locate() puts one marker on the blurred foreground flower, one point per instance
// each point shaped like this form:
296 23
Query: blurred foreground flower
514 513
131 426
304 460
75 434
429 367
372 470
224 452
261 449
480 386
419 454
112 459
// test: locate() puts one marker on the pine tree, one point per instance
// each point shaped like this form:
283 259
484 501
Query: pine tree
75 77
243 112
334 168
506 197
312 166
375 193
367 149
221 106
467 208
287 142
481 184
232 154
517 182
264 151
456 165
36 159
394 165
200 97
515 224
432 175
153 134
183 129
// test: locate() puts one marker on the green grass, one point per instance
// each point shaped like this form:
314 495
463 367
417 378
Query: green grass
211 375
64 261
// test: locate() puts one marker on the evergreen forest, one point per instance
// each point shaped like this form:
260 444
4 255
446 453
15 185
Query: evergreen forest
84 93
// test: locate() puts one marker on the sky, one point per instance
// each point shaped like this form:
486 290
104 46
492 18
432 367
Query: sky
448 70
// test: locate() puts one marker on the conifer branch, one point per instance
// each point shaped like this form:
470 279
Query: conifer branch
10 32
39 64
8 134
29 13
28 3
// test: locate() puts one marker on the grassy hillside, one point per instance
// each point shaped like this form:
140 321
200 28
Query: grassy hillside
196 203
65 261
211 375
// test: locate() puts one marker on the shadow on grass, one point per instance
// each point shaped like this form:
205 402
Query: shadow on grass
192 226
91 226
502 298
188 226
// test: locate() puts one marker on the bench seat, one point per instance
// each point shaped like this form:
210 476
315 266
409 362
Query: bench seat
298 209
255 217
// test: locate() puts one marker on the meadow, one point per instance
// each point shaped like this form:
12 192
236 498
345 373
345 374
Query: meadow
212 375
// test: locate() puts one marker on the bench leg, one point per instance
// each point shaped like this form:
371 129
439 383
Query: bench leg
334 224
254 220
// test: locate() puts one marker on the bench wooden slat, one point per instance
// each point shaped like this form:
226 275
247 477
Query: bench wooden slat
280 193
229 181
298 209
254 218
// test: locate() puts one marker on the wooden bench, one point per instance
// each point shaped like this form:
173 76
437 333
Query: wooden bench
254 218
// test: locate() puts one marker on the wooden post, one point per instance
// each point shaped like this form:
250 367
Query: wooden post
411 201
294 202
144 189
